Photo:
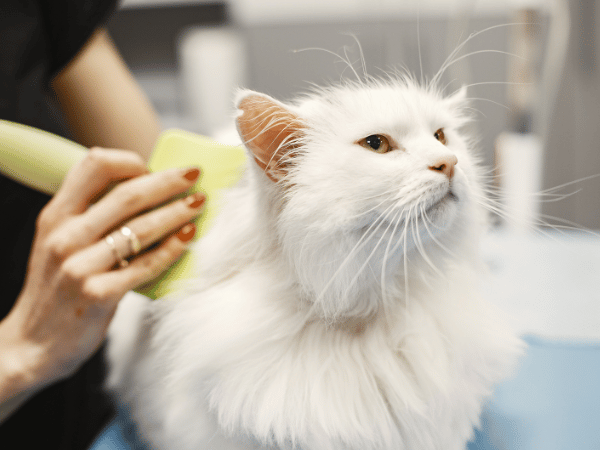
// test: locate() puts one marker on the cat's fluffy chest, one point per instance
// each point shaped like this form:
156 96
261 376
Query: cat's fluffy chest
242 355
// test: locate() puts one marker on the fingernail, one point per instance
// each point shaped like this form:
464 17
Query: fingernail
196 200
187 232
192 174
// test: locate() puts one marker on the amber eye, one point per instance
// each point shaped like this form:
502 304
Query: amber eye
376 143
440 136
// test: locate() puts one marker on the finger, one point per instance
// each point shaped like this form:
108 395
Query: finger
125 200
92 175
135 196
112 285
154 225
148 228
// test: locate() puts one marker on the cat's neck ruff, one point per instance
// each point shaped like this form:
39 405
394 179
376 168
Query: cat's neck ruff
399 369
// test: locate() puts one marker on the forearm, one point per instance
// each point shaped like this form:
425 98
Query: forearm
103 103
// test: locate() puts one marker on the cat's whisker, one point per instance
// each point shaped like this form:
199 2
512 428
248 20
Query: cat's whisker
401 218
491 205
368 259
356 216
569 225
556 197
419 42
382 218
488 100
406 229
570 183
447 84
365 235
490 173
538 225
386 256
493 201
460 58
484 83
386 199
544 197
381 194
471 108
358 246
341 58
421 247
405 255
361 55
451 56
432 235
396 221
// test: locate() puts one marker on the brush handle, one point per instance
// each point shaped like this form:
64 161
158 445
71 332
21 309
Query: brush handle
36 158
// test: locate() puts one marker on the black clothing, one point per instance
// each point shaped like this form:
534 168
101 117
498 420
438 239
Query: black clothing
37 39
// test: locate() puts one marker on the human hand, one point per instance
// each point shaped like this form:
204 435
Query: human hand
74 281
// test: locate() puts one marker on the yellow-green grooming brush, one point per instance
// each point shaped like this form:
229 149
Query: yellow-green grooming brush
41 160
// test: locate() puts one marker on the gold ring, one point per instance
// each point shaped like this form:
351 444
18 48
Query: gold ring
134 243
110 241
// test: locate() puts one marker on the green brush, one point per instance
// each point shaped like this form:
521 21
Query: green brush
41 160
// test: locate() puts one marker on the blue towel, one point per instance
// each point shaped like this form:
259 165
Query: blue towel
553 402
120 434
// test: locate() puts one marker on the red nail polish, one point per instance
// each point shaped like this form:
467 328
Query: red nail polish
195 200
187 232
192 174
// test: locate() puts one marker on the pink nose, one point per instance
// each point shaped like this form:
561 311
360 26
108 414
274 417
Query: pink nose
445 165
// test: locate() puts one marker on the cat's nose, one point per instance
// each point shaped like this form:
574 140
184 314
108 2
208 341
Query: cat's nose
445 165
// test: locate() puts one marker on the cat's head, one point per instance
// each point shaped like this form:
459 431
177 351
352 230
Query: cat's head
368 183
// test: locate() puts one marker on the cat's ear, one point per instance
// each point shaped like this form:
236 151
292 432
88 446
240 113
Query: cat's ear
458 98
269 130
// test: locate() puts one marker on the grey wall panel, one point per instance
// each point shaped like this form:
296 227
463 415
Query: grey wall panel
573 147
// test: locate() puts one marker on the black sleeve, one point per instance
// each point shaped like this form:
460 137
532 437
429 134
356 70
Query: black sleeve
37 39
68 24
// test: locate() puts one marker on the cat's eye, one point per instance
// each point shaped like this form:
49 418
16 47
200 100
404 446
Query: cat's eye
377 143
440 136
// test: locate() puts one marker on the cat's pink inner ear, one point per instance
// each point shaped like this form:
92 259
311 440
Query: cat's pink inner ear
271 133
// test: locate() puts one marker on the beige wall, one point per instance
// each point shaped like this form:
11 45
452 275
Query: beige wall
574 143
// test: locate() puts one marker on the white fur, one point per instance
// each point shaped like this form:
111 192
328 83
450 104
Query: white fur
293 337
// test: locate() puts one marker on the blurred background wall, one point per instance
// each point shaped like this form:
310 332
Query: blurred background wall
152 36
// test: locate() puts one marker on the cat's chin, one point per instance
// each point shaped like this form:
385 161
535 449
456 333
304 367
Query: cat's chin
443 210
449 200
434 216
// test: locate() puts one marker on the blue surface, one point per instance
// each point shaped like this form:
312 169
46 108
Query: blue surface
120 434
553 403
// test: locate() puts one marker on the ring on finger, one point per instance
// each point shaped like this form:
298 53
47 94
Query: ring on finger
134 243
110 241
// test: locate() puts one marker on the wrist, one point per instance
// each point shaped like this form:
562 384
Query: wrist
20 364
18 378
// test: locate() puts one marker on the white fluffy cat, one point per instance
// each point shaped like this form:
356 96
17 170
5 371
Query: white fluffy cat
338 303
